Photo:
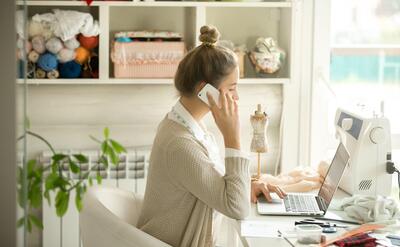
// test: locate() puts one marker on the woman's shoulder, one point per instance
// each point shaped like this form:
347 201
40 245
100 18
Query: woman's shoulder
174 135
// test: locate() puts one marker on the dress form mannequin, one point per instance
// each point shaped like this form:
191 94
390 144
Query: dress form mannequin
259 143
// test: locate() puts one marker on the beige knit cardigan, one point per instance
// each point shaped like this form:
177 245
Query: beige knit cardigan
183 188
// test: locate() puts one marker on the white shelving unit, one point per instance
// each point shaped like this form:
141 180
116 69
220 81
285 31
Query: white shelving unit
241 22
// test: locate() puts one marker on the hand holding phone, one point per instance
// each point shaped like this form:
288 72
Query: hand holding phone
213 92
225 112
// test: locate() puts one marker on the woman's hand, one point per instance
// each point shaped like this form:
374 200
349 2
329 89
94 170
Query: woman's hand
260 187
227 119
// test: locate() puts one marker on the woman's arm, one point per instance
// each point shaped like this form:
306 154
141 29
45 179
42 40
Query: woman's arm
192 169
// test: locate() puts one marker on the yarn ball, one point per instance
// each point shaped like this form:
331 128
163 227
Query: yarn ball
81 55
38 44
94 66
47 62
124 39
88 42
54 74
33 56
70 69
54 45
66 55
71 44
40 74
20 45
35 28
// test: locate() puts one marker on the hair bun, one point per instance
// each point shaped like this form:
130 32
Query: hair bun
209 35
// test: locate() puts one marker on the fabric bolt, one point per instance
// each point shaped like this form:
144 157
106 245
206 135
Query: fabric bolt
185 185
371 208
358 240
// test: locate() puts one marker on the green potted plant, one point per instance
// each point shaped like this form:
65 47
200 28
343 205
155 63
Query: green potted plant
31 177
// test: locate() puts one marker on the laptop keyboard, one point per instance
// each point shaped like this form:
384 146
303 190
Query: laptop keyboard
300 203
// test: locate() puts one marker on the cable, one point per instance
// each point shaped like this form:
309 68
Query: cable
391 168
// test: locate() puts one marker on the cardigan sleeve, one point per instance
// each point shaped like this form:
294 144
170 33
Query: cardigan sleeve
190 167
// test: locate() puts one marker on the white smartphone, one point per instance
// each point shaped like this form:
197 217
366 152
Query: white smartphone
213 92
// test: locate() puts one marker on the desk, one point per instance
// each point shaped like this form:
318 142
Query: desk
279 221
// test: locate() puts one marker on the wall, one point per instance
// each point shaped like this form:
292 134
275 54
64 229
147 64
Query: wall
66 115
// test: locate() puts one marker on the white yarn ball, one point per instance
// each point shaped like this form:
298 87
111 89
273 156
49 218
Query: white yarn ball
35 28
66 55
72 44
38 44
54 45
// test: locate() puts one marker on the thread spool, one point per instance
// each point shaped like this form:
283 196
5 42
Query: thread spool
38 44
54 45
88 42
54 74
33 56
72 43
70 69
66 55
47 62
81 55
40 74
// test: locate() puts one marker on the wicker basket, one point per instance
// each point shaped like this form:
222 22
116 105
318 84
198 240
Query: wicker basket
147 59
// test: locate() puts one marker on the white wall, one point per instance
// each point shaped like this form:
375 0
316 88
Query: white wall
66 115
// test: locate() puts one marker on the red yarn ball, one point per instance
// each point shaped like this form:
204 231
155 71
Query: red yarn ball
88 42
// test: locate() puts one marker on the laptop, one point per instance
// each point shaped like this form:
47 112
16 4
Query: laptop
309 204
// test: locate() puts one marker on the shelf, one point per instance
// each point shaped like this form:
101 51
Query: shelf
114 81
278 4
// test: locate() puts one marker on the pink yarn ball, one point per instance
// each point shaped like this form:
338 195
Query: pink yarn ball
38 44
54 45
66 55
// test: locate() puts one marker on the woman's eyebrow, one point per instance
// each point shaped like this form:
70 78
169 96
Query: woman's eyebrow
232 84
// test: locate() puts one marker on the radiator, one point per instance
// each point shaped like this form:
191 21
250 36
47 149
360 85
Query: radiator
130 174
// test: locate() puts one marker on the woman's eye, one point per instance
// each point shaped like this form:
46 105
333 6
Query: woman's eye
232 89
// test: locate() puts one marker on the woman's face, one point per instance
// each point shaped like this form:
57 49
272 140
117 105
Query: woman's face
229 84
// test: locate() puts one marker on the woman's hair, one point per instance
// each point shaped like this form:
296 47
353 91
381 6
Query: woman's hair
207 62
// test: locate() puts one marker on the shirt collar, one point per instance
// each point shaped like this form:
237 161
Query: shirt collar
186 119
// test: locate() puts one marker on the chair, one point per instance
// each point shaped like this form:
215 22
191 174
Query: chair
109 217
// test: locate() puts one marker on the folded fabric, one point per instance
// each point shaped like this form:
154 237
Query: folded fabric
362 239
67 23
371 208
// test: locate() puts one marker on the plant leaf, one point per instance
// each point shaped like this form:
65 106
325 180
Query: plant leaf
62 200
20 222
74 167
51 181
114 158
35 195
118 147
104 147
81 158
78 198
46 195
58 157
36 221
106 132
90 181
98 178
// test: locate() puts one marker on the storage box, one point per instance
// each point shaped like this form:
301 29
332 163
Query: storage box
147 59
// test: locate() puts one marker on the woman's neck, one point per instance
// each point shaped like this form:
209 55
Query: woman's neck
195 107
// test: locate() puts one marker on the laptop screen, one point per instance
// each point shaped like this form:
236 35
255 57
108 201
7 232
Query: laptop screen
334 174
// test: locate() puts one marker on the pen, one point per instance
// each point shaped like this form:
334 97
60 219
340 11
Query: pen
338 220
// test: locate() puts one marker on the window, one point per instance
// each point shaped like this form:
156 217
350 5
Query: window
364 66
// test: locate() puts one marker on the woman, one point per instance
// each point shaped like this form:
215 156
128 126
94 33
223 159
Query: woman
188 185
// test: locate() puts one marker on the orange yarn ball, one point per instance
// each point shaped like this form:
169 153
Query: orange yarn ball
82 55
88 42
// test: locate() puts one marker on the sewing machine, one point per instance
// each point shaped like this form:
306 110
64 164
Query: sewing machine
367 138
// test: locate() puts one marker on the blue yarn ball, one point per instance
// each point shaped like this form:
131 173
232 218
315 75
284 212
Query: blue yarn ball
47 62
124 39
70 69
